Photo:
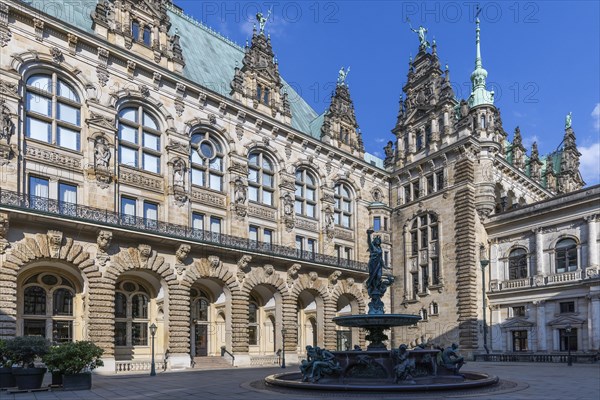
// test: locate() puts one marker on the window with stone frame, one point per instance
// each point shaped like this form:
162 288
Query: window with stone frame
139 139
52 111
47 309
517 264
306 193
200 306
568 340
424 245
132 319
261 178
253 322
566 255
519 340
343 209
263 94
207 160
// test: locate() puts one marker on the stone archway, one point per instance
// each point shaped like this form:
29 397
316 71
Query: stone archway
211 268
51 246
310 282
240 303
345 287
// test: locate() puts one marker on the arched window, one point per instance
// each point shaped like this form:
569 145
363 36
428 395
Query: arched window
566 256
48 307
201 314
52 111
139 139
517 264
253 323
260 178
131 314
306 194
343 205
207 161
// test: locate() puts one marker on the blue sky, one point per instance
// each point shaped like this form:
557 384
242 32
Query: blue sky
542 58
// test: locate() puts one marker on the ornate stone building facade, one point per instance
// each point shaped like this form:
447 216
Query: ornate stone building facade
154 172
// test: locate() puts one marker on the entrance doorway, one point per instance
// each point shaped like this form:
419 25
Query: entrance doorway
201 340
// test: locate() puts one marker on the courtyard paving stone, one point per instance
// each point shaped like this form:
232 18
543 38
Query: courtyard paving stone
518 381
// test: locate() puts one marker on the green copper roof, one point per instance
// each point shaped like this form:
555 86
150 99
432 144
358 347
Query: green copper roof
373 160
316 124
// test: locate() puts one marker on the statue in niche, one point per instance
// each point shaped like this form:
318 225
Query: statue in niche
288 204
101 154
179 169
239 191
6 125
389 150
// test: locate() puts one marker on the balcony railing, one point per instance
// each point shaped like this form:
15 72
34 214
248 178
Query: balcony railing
76 212
514 284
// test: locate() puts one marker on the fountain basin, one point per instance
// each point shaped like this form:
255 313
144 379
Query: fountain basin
471 380
376 320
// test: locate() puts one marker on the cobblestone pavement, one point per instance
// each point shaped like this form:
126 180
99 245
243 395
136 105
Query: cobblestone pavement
517 381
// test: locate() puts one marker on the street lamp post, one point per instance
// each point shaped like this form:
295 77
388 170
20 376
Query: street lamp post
484 261
152 366
568 330
283 347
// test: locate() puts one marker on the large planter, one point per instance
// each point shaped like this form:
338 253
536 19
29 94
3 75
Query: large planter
29 378
81 381
6 378
57 378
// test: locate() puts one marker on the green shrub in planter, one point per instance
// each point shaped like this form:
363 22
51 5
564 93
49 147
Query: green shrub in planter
75 361
23 350
6 377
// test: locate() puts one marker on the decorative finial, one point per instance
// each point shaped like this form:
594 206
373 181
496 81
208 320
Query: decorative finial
262 21
568 120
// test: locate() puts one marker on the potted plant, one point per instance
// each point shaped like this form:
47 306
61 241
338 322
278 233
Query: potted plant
75 361
6 377
23 351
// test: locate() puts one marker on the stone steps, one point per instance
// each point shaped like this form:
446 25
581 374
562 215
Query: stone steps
209 363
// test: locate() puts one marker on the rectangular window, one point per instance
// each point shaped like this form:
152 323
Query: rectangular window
68 138
39 104
267 198
198 221
120 333
376 224
150 215
386 258
215 182
67 113
425 277
435 270
215 225
567 307
253 235
252 335
338 252
568 340
311 247
139 333
311 210
135 31
518 311
151 141
424 238
34 327
147 37
62 331
253 193
268 237
346 221
434 232
67 198
38 193
348 253
440 179
39 130
430 188
407 196
127 133
385 223
299 245
414 241
128 156
298 207
128 212
416 189
519 340
415 284
197 177
151 163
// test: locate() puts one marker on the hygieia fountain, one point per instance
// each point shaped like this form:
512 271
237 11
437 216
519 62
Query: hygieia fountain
377 368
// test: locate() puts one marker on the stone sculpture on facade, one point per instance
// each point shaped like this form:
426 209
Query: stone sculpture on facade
103 242
4 223
181 255
6 130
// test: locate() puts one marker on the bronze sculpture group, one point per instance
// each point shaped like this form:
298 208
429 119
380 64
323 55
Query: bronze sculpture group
318 363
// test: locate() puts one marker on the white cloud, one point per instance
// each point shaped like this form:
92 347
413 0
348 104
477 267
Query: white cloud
590 163
596 116
528 141
379 140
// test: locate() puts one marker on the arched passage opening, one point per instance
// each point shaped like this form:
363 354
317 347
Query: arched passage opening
209 305
264 320
346 338
310 320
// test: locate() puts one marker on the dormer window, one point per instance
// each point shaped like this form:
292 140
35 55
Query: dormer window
419 142
135 30
263 94
147 38
139 34
345 136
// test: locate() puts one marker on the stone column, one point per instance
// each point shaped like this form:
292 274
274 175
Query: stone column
539 252
592 241
594 318
541 326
